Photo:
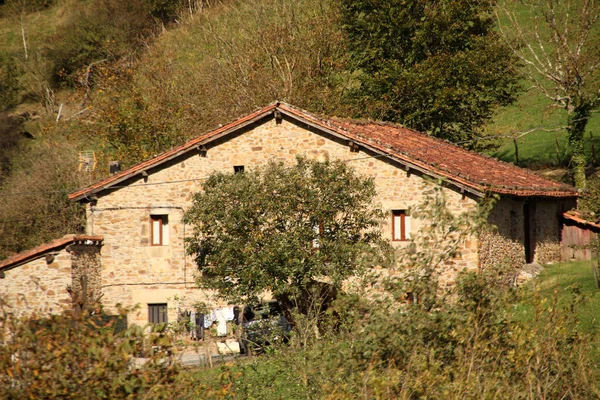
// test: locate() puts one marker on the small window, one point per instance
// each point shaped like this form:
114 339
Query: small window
159 232
157 313
400 225
238 169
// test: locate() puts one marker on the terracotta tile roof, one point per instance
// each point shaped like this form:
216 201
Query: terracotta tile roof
40 250
438 158
576 216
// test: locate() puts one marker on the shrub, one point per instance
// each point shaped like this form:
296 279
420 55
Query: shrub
73 357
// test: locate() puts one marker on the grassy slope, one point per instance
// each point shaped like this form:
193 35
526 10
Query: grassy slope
533 110
566 280
538 149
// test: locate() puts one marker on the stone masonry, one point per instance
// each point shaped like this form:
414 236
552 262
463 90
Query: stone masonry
134 272
38 282
139 211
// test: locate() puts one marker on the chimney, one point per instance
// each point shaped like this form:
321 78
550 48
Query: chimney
114 167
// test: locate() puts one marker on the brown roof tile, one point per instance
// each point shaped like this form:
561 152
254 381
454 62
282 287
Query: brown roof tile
576 216
433 156
38 251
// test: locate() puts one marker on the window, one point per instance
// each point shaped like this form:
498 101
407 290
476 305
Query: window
157 313
400 225
238 169
159 230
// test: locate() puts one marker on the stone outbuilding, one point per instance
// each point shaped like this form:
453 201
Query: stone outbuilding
52 278
139 211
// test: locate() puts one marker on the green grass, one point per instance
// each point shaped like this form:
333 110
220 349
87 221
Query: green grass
566 281
538 149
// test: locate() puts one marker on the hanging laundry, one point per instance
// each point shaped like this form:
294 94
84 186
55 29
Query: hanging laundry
208 320
192 323
221 315
229 313
199 326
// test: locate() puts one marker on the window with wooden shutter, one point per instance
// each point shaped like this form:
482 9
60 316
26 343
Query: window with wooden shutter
159 230
400 225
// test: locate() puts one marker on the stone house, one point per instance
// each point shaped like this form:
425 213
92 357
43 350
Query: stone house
138 212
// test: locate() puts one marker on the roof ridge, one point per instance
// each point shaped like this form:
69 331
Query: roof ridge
386 139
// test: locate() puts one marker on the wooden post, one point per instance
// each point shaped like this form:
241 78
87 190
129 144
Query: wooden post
593 147
516 151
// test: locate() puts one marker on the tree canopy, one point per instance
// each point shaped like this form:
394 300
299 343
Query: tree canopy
281 229
435 66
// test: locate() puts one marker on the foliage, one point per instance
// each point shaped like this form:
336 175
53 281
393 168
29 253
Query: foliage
475 346
10 86
435 66
283 228
243 55
33 205
559 46
15 7
72 357
127 125
100 31
589 202
472 341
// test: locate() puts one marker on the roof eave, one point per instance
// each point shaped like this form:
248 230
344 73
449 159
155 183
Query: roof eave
177 152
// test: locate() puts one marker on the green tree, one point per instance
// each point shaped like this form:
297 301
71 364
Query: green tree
284 229
436 66
559 44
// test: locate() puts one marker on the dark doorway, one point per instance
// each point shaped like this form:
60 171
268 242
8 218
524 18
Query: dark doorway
529 235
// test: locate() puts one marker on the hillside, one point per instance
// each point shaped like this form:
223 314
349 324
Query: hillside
128 82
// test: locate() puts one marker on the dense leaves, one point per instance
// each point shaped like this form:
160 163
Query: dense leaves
436 66
281 228
76 356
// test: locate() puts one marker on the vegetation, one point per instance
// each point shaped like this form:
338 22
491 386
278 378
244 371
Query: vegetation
283 229
438 67
95 75
562 58
71 357
481 339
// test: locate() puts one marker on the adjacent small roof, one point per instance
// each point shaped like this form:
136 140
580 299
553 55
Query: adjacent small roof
576 217
438 158
40 250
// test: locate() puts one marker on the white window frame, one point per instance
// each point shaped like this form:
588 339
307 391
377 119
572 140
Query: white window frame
159 230
400 226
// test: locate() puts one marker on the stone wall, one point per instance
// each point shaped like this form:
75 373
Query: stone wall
135 272
85 274
503 243
39 286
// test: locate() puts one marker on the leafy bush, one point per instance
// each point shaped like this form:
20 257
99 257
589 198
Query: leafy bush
74 357
470 342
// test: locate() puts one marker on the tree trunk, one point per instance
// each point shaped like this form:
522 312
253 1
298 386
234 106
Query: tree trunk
577 119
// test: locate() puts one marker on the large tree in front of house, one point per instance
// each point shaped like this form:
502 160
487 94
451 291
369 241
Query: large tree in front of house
437 66
559 44
286 230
